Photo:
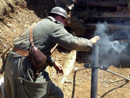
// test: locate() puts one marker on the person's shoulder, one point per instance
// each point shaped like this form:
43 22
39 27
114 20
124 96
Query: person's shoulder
51 22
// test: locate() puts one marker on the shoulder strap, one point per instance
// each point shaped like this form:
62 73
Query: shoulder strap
24 33
31 39
31 36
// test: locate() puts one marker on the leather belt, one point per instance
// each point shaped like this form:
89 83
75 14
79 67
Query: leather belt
21 51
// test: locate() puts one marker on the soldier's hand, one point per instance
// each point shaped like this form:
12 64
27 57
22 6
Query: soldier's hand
58 68
94 39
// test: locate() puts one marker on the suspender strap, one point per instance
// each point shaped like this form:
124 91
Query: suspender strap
31 36
24 33
21 51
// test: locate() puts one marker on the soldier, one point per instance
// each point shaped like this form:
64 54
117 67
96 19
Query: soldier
18 75
77 16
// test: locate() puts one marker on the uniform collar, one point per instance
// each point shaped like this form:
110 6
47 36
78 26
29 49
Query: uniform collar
54 20
51 18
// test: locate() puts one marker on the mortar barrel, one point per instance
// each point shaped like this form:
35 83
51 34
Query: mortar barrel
94 75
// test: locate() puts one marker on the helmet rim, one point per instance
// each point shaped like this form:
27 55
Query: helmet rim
59 11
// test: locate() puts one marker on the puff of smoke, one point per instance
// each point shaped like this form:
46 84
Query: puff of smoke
110 51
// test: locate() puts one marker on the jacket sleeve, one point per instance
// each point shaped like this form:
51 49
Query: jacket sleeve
68 41
50 60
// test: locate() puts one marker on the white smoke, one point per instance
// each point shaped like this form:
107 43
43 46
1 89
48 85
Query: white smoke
111 52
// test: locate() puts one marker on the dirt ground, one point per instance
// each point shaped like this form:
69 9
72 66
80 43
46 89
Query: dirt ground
73 84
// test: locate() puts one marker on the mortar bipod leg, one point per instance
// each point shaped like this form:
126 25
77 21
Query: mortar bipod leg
117 74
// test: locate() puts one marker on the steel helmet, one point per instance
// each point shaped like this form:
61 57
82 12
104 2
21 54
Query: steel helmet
59 11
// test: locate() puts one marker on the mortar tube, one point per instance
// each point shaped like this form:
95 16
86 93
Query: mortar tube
94 74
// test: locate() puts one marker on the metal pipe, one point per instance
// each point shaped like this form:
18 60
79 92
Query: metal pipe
94 75
117 74
79 69
105 68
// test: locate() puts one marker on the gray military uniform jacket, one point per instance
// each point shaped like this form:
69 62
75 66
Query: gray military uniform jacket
18 70
48 32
